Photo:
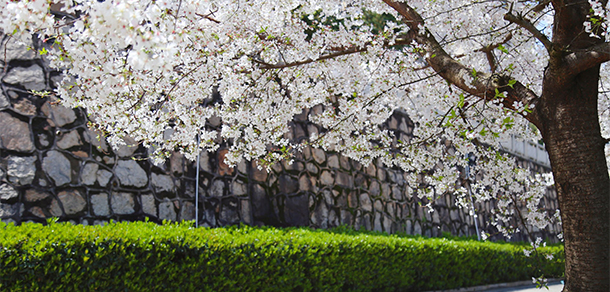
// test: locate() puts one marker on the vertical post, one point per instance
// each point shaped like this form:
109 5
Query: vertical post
197 185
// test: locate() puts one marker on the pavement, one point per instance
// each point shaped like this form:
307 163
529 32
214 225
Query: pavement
554 285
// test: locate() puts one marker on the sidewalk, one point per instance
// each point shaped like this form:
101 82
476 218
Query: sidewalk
554 285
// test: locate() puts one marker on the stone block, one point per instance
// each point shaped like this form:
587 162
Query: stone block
33 195
148 205
15 134
333 161
319 155
59 114
25 107
327 178
103 177
99 204
57 167
69 140
7 192
21 170
88 175
239 189
162 183
187 212
365 202
9 210
245 212
218 188
167 211
32 78
18 49
72 201
122 203
130 174
288 184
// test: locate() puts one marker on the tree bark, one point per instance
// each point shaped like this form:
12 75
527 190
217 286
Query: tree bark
568 110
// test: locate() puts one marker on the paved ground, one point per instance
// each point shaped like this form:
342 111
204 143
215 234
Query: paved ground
554 285
529 288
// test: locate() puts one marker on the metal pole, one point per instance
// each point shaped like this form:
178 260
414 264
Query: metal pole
474 212
197 186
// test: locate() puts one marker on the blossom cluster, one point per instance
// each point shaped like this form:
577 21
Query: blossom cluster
148 70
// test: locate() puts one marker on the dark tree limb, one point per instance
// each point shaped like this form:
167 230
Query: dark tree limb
483 85
524 23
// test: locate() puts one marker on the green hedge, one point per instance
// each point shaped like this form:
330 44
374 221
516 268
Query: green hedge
141 256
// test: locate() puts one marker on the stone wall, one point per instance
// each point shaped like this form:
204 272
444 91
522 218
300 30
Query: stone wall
52 165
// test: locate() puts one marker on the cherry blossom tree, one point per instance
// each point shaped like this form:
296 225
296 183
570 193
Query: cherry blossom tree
469 73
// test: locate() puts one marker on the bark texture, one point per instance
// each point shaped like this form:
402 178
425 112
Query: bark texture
566 114
576 151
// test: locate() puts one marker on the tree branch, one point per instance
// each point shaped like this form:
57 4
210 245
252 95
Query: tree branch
347 51
524 23
582 60
482 85
489 49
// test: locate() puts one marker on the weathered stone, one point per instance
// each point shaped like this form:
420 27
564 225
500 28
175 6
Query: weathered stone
57 167
187 212
204 161
72 201
130 174
381 174
374 188
258 174
242 166
3 101
417 228
312 168
25 107
246 215
148 205
127 149
320 216
344 162
371 170
167 211
333 161
365 202
261 205
223 168
8 210
103 177
377 225
69 140
345 180
122 203
319 155
88 174
96 139
328 197
21 170
59 114
162 183
228 212
176 162
14 134
288 184
55 209
99 204
37 211
397 193
32 78
33 195
81 154
16 50
327 178
217 189
238 188
304 183
386 190
7 192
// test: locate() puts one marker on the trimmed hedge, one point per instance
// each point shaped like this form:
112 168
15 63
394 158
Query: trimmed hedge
141 256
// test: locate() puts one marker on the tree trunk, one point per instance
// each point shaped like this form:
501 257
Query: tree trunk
571 132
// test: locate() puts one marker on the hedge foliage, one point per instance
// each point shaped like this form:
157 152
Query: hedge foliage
141 256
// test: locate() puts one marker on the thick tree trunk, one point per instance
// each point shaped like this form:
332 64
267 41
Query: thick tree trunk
573 140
